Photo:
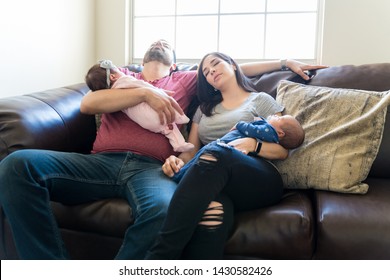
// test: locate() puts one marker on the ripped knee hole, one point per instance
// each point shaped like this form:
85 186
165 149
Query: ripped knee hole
208 157
213 216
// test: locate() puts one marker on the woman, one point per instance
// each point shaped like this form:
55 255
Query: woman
226 96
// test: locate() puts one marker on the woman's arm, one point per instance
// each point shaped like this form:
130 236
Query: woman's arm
261 67
113 100
194 139
273 151
268 150
173 164
258 68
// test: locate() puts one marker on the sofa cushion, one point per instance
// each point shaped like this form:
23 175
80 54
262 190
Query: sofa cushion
110 217
354 226
282 231
343 128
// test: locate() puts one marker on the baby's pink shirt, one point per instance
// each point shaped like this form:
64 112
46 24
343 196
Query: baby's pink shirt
118 133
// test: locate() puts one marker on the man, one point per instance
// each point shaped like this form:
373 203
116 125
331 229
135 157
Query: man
125 162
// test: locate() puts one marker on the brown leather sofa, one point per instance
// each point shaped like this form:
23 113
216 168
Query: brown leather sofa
304 225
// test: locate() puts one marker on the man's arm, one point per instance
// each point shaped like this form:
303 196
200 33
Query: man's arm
113 100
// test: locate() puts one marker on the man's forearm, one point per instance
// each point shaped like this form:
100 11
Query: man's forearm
111 100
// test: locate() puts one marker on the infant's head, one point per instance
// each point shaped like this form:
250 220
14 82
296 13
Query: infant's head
290 131
102 75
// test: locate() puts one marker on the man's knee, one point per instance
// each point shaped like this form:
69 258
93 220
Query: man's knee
155 209
10 169
18 159
12 164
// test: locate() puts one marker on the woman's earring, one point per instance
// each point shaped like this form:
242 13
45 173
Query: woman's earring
215 89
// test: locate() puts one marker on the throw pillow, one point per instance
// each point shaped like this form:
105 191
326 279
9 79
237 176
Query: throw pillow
344 129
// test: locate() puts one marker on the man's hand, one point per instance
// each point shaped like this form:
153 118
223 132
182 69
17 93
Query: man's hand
172 165
164 105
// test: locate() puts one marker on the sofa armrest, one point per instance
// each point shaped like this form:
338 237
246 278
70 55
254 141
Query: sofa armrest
49 120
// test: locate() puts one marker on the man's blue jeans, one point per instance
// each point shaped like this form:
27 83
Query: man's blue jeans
29 179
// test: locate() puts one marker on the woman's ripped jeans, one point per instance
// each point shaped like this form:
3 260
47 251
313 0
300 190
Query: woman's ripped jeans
249 182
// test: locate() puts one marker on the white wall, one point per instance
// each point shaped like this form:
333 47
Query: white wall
112 25
356 32
45 44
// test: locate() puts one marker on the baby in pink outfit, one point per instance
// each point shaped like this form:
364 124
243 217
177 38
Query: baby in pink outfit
105 74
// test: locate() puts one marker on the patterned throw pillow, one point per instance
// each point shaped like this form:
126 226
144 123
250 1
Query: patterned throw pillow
344 129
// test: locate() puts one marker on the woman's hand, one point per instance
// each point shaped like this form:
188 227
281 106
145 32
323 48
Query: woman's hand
172 165
245 145
258 68
268 150
299 67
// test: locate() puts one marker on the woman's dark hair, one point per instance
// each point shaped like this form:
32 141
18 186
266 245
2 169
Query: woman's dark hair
208 97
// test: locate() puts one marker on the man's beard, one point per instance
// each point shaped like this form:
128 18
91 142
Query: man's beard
158 55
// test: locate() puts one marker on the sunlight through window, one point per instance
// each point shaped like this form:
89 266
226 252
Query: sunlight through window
245 29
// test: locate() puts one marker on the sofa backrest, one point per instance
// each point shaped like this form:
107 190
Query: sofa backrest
46 120
51 119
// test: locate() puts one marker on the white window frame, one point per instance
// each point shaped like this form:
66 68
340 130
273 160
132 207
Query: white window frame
318 44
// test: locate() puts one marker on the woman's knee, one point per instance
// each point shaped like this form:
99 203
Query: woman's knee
214 156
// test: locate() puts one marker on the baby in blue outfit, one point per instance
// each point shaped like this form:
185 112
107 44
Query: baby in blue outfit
285 130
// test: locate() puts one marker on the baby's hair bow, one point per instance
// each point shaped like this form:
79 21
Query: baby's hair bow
108 65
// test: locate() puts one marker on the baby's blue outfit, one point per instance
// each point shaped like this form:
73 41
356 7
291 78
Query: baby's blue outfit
259 129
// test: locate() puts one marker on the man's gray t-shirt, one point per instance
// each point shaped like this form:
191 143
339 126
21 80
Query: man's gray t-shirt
222 120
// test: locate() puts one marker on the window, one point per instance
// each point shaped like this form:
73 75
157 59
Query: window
244 29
